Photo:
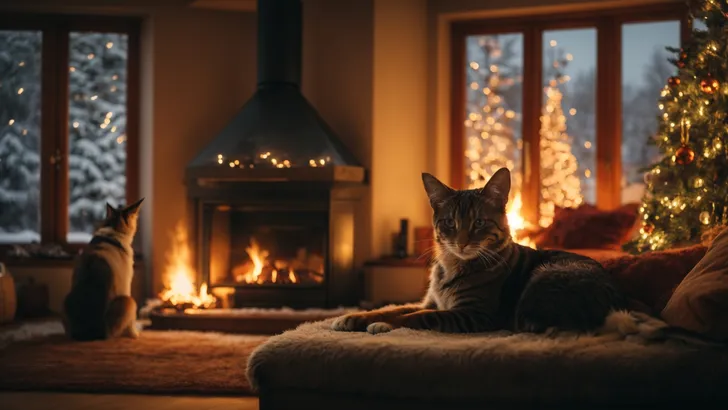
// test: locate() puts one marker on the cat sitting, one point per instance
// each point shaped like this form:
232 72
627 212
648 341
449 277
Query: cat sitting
100 305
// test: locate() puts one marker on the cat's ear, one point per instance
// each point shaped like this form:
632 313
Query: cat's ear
109 210
499 186
437 192
133 209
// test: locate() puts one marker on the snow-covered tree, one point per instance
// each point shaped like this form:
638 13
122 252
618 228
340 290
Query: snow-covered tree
20 90
97 126
560 183
492 140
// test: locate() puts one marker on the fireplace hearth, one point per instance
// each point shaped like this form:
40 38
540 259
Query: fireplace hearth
272 199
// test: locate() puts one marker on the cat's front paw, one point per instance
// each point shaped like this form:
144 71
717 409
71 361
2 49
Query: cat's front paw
379 327
353 322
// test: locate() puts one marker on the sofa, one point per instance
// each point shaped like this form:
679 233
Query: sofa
315 367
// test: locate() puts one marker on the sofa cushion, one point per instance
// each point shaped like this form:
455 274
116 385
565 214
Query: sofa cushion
651 278
700 302
588 227
493 367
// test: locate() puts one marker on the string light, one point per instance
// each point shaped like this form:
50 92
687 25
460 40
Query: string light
11 122
109 44
20 90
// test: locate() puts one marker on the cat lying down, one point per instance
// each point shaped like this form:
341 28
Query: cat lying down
482 281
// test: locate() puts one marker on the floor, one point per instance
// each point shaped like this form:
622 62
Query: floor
80 401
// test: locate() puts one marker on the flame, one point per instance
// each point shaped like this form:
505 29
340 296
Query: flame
180 287
517 222
258 257
262 270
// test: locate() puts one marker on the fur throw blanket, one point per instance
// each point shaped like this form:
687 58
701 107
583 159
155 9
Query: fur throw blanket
495 366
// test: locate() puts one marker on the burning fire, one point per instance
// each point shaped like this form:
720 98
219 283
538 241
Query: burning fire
260 270
180 288
517 223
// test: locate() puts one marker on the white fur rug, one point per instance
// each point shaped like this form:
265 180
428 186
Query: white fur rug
495 366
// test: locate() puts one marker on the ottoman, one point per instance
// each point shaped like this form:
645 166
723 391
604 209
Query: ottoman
314 367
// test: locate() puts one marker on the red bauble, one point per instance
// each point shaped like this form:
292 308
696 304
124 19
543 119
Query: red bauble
648 228
709 85
684 155
673 81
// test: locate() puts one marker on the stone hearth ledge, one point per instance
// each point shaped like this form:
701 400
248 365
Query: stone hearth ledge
524 368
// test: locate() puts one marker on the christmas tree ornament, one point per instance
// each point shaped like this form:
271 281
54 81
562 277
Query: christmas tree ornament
709 85
683 59
704 217
684 155
673 81
648 228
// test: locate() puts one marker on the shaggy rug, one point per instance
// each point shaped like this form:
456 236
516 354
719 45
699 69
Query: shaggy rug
38 356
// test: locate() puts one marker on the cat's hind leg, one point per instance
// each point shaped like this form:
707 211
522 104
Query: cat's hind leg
121 317
567 295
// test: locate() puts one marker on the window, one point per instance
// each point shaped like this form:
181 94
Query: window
568 103
68 125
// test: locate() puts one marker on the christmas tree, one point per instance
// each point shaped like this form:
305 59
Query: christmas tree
20 90
560 184
97 126
687 190
491 140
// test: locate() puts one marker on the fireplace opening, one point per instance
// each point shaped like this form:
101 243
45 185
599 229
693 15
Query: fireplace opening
254 248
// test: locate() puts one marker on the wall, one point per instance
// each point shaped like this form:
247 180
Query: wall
201 69
337 80
399 135
372 91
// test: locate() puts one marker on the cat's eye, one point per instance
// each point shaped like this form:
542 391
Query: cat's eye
449 223
479 223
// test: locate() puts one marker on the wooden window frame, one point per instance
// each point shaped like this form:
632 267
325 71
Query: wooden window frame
608 24
54 180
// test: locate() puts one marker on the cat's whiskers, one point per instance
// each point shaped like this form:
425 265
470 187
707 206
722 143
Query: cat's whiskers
498 259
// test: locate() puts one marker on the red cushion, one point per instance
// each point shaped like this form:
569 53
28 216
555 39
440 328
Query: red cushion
651 278
587 227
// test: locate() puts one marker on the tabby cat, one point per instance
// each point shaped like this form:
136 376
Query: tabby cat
483 281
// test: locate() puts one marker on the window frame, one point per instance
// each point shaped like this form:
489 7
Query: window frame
608 25
54 134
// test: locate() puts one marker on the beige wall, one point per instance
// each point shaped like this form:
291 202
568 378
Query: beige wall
201 70
337 80
399 137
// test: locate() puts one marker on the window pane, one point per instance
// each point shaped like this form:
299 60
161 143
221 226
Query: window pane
568 120
97 129
494 74
645 70
20 98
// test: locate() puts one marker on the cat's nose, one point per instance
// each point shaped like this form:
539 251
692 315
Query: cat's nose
463 246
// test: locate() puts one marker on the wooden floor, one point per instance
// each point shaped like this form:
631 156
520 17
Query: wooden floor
79 401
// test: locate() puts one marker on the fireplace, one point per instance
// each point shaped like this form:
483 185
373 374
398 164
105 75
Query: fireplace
276 243
272 199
